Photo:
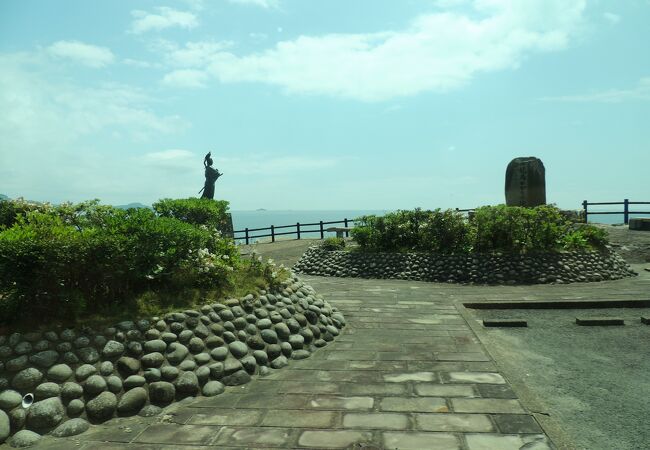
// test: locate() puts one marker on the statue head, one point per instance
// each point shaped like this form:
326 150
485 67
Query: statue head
209 161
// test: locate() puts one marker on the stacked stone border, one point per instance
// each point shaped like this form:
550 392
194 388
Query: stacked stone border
79 376
493 268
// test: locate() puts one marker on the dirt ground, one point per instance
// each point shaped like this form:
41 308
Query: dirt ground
632 245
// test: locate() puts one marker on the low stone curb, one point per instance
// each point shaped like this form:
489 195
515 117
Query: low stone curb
599 321
504 323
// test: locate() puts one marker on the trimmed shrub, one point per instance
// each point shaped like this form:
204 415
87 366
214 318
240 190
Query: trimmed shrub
333 243
499 228
417 231
197 211
76 259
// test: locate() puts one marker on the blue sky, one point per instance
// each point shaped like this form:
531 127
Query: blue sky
355 104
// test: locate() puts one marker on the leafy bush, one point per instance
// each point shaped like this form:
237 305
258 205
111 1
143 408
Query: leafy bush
490 228
333 243
197 211
11 209
589 236
417 230
70 260
518 229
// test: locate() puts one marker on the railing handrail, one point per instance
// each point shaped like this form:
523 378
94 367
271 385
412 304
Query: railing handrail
320 224
626 209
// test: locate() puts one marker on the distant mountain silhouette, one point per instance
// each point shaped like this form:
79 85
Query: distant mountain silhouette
133 205
4 197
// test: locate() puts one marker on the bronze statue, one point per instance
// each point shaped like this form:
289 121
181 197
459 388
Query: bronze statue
211 176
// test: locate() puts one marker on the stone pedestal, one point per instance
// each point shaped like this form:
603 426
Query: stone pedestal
639 223
226 227
525 182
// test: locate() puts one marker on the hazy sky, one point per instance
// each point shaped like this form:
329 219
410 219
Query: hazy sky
331 104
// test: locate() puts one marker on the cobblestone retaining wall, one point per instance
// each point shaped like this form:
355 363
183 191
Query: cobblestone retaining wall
77 376
494 268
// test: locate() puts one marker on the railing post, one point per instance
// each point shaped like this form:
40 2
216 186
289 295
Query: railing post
246 236
272 233
584 205
345 221
626 211
298 229
322 233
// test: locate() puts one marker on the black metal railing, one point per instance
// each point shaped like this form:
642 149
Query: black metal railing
626 209
298 229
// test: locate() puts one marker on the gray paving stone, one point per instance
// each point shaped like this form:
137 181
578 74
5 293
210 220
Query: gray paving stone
454 422
287 401
254 436
376 421
445 390
413 404
344 403
486 405
375 389
472 377
239 417
506 442
410 376
420 441
517 423
333 439
170 434
300 419
447 356
495 391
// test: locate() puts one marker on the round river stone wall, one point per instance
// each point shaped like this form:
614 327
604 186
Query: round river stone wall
493 268
82 376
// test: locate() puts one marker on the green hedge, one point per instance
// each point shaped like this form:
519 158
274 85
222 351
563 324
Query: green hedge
197 211
490 229
70 260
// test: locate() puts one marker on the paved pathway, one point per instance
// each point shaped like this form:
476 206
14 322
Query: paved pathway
407 373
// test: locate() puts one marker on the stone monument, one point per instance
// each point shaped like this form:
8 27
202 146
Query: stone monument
525 182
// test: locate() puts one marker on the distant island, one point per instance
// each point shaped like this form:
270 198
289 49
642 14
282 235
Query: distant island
4 197
133 205
260 209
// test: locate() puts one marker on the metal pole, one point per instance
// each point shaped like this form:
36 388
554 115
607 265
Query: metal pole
584 205
322 233
298 229
626 211
272 233
347 233
246 236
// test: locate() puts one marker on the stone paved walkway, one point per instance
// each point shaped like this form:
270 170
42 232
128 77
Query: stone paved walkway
407 373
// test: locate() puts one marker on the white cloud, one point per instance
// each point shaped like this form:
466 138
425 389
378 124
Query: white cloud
186 78
141 64
437 52
266 4
164 18
612 18
86 54
64 141
193 54
640 92
175 159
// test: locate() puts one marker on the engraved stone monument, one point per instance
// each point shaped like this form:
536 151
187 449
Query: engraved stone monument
525 182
